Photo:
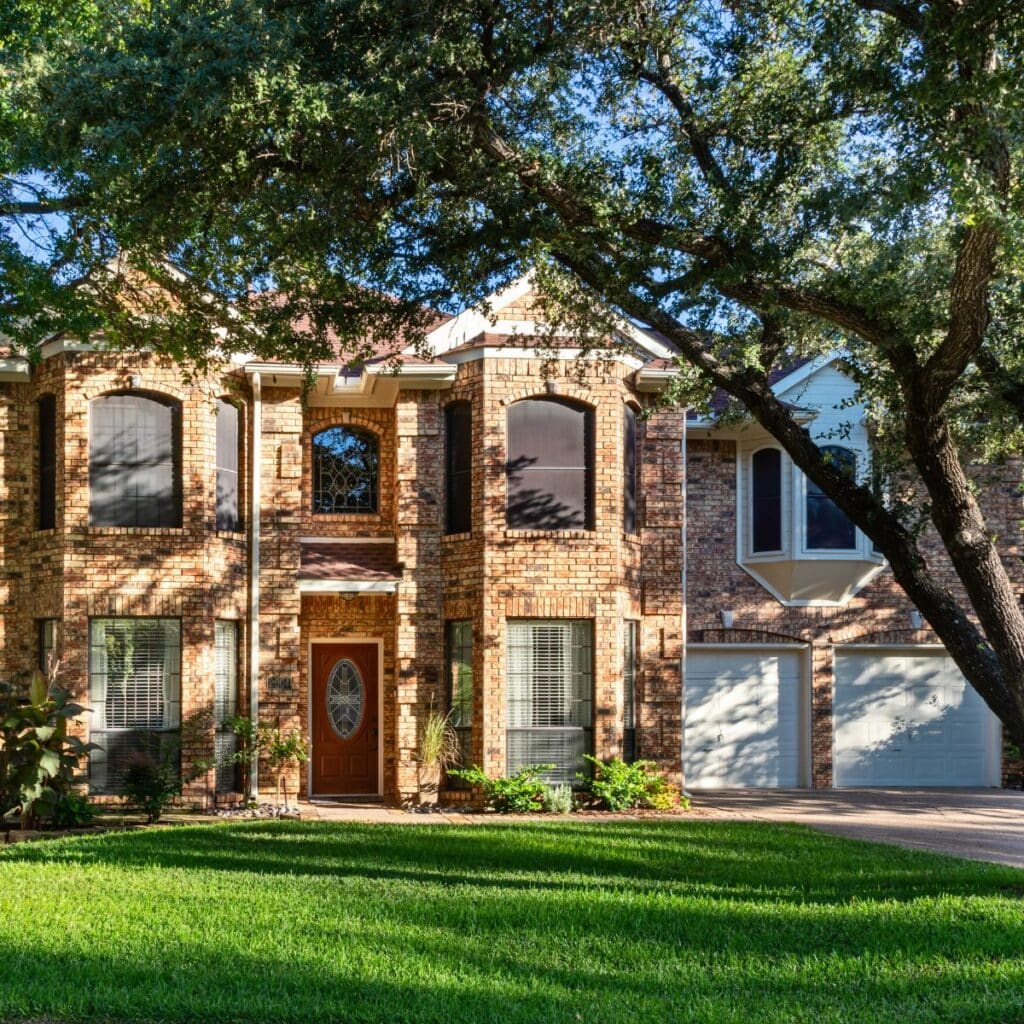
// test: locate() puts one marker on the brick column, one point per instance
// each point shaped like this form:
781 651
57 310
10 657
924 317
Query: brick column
659 664
419 645
280 604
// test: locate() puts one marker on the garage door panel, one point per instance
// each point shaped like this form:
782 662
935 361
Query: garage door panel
908 720
743 718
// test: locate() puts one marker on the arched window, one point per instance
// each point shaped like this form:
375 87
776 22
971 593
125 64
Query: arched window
134 461
345 469
827 527
766 500
229 514
629 470
458 465
550 465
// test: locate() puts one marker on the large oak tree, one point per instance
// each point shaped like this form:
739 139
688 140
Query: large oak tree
756 180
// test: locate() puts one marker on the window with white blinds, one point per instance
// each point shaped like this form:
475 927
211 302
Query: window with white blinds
134 694
225 702
550 689
629 638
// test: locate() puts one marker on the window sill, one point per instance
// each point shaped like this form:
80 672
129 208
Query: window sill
136 531
454 537
550 534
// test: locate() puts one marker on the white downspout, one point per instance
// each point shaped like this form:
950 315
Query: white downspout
686 599
254 575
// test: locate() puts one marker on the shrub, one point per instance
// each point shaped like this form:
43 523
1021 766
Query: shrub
664 796
621 786
558 799
515 794
37 756
151 786
73 810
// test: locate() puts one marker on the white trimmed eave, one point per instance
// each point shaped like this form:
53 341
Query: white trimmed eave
15 370
414 376
347 586
747 427
649 379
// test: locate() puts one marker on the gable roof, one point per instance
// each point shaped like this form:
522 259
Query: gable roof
482 325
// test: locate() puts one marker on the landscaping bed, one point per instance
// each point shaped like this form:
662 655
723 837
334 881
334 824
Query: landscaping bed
539 921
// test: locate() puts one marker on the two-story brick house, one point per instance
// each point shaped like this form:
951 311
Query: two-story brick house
510 537
467 532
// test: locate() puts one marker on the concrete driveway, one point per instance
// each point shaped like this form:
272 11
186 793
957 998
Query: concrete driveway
982 824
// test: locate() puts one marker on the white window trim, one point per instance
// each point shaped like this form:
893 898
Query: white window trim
800 497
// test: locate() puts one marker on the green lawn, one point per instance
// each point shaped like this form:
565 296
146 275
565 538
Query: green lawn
633 922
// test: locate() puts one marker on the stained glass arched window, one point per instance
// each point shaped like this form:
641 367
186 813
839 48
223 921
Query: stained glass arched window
346 461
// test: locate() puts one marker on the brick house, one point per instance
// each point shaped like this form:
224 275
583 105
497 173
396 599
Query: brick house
523 539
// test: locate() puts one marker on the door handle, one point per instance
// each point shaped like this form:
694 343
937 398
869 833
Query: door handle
374 734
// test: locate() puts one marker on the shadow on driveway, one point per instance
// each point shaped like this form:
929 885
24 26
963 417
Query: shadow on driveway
980 824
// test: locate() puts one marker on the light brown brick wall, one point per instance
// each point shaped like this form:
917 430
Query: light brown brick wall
75 571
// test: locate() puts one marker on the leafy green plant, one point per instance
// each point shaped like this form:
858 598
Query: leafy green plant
512 794
282 751
150 785
558 799
664 796
73 810
38 757
622 785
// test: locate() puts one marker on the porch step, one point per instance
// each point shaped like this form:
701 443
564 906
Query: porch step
346 801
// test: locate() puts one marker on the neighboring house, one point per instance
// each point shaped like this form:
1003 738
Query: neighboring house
486 531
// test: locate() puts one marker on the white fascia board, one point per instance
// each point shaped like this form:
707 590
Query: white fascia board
285 375
347 587
802 373
654 380
471 322
414 375
15 370
55 346
346 540
646 341
514 352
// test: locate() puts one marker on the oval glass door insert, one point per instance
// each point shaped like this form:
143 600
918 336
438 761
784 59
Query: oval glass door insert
346 697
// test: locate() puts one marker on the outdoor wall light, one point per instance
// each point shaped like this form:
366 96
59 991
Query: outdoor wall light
916 619
727 617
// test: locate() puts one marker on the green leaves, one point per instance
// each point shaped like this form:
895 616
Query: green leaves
38 758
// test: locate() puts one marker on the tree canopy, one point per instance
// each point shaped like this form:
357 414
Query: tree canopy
754 180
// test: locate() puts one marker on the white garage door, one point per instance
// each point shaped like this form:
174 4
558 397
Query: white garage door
744 717
907 717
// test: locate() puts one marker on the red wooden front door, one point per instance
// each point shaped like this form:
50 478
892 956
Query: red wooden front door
346 733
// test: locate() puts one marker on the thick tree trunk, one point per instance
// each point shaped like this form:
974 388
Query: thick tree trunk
961 525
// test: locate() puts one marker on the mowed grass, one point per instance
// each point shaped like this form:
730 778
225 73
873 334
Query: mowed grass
595 922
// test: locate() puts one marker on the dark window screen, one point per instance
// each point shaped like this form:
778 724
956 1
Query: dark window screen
766 500
47 511
550 465
134 462
228 507
458 418
828 528
629 488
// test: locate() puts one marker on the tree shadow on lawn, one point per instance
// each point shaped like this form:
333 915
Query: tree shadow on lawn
631 922
748 860
468 982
